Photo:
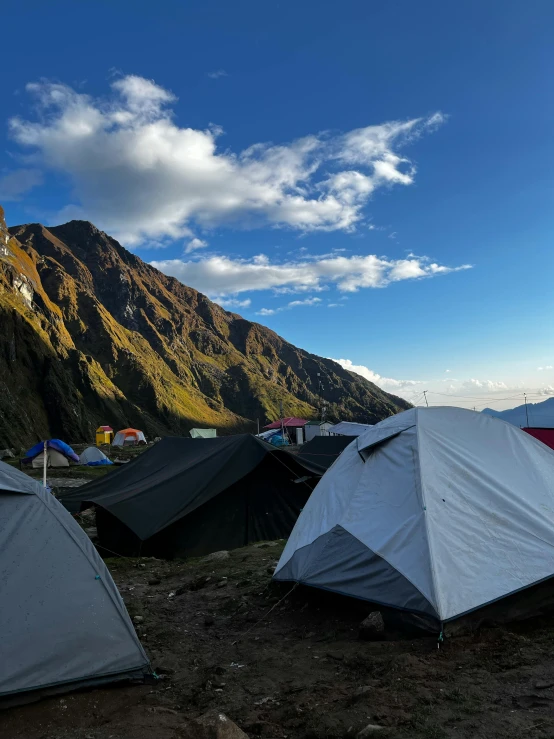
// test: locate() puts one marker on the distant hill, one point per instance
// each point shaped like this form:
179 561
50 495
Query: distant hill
91 334
539 414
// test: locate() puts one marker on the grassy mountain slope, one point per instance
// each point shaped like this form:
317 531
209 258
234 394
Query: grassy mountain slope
91 334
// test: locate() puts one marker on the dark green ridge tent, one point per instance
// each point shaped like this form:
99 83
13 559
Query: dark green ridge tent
63 623
318 454
189 497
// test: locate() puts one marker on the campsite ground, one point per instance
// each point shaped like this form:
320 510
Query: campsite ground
299 671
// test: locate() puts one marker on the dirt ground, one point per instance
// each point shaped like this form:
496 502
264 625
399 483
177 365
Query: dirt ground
299 671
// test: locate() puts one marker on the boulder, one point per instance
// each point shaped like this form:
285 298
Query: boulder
216 725
373 627
370 730
217 556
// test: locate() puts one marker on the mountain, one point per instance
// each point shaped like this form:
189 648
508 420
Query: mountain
90 334
536 414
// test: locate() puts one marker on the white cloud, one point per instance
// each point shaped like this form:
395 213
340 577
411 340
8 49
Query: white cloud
335 305
447 370
14 184
546 367
217 74
288 306
139 175
195 244
222 275
489 385
232 302
385 383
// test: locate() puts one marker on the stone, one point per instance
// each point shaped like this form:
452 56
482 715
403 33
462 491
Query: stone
6 454
222 583
216 725
138 619
217 556
370 730
373 627
362 690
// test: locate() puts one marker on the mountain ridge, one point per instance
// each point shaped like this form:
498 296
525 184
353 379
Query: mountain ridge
531 415
90 334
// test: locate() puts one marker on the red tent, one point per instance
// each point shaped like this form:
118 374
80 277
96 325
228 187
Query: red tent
288 423
544 435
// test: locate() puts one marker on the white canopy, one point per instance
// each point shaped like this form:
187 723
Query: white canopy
434 510
203 433
349 428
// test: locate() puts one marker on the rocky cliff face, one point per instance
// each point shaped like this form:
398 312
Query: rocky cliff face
90 334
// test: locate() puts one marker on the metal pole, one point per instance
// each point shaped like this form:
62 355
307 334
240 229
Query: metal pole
44 463
425 395
526 411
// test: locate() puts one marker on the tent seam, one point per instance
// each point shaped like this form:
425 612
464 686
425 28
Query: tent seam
419 480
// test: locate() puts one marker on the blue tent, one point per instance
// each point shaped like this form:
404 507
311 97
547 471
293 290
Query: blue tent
57 444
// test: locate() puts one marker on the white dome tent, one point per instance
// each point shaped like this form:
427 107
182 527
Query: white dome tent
63 622
435 511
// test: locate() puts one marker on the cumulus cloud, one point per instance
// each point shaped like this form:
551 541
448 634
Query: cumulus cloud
385 383
288 306
139 175
227 276
195 244
232 302
14 184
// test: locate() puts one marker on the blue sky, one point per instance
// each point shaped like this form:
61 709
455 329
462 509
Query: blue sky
373 181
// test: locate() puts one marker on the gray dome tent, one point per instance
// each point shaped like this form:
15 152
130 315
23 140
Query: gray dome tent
62 620
434 511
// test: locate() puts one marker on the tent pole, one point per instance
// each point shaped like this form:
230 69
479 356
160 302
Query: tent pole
45 462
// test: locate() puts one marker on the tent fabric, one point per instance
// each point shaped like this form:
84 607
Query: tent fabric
203 433
235 485
349 428
63 622
53 459
459 503
290 422
128 436
321 452
93 456
546 435
57 444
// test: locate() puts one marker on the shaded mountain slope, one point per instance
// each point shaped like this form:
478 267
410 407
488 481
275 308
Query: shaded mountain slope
90 334
532 414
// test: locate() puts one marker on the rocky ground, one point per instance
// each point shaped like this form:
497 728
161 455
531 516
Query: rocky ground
222 637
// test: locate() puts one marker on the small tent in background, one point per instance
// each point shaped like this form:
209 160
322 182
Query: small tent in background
94 457
434 511
58 454
128 437
104 435
349 428
203 433
188 497
62 620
